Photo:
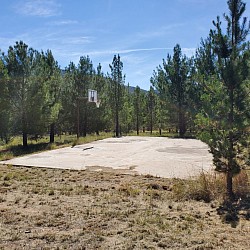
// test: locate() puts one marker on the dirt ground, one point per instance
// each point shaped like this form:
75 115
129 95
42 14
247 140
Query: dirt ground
66 209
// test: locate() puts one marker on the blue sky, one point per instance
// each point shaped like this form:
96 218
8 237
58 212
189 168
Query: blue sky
143 32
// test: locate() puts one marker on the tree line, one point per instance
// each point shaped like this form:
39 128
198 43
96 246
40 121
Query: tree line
38 97
207 93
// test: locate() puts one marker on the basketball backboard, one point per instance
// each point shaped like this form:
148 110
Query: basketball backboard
92 95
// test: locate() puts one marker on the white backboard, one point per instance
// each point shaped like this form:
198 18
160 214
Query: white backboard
92 95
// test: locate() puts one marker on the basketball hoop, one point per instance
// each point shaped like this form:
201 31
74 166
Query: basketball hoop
92 97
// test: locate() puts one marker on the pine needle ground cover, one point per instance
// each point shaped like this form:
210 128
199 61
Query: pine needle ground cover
65 209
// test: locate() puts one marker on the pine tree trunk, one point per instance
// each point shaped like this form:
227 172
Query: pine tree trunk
229 179
78 120
117 123
85 124
151 121
24 130
52 133
137 124
25 140
159 130
231 147
182 126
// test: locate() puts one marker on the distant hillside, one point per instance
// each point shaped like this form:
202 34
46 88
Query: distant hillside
132 89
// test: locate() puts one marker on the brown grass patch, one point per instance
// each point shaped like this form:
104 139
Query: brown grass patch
63 209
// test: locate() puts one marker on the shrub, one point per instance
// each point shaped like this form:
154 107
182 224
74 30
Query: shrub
205 187
208 187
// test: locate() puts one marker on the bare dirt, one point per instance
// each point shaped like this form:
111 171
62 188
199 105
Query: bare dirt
66 209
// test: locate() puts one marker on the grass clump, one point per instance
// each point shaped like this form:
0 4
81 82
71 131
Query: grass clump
205 187
241 185
128 190
210 186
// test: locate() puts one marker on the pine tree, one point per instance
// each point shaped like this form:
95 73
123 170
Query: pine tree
116 89
5 122
151 105
76 112
225 115
23 92
172 82
50 76
137 108
85 81
127 110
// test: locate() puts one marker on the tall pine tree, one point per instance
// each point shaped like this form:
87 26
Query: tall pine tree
116 89
225 116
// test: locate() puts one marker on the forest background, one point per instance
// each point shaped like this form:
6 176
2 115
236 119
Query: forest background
207 94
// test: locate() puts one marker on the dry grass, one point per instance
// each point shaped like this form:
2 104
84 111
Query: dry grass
14 147
65 209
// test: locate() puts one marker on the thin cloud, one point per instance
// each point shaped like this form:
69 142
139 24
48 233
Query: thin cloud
40 8
159 32
127 51
63 22
77 40
67 39
192 2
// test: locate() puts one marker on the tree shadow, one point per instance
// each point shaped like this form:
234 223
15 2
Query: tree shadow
230 211
186 136
19 150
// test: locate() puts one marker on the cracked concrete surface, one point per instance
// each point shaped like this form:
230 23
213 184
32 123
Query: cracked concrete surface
157 156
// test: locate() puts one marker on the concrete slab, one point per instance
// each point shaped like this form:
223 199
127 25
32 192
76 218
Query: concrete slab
157 156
